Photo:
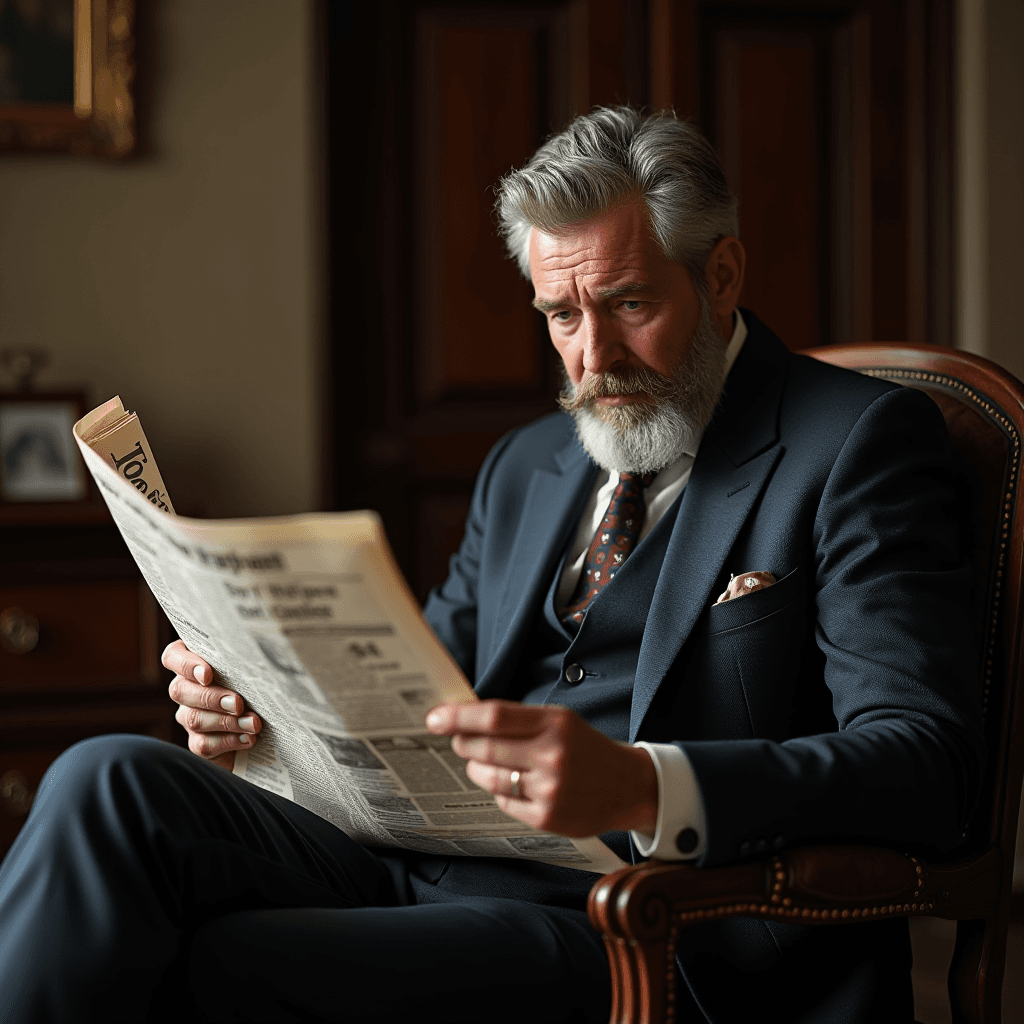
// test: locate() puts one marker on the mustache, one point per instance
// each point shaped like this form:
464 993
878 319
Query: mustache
640 380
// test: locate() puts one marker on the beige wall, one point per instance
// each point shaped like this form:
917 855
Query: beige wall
1005 207
189 281
990 126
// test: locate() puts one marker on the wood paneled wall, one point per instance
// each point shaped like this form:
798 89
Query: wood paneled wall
833 121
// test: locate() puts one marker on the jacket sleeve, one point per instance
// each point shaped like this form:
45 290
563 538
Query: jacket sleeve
451 608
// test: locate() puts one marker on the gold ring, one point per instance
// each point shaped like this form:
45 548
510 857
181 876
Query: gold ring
514 779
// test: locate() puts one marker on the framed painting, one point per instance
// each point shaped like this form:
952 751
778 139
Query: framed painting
39 459
66 71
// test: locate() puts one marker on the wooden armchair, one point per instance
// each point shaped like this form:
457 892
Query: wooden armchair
640 909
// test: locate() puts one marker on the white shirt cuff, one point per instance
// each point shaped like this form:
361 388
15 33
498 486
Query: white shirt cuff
681 830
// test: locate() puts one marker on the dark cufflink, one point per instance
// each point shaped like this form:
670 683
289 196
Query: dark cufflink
761 846
686 841
778 843
746 849
574 673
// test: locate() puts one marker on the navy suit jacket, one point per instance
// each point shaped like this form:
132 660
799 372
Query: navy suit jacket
839 704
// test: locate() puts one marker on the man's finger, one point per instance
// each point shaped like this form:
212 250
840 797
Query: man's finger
210 698
213 745
503 754
180 660
506 782
487 717
195 720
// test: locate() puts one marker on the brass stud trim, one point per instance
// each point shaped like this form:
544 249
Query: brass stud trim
786 910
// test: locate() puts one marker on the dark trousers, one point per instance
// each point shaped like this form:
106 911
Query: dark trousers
148 884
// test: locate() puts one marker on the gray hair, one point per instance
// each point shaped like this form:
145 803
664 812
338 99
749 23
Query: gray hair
608 157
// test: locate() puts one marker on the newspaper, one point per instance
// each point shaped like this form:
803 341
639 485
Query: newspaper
310 620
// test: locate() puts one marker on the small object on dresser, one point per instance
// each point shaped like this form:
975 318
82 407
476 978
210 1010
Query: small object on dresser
19 631
38 460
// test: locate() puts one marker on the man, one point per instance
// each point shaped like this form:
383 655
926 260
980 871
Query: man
831 701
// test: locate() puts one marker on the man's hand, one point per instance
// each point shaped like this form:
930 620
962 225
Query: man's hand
212 715
572 779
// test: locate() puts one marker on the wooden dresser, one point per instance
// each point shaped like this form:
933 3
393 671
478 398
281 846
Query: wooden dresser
80 643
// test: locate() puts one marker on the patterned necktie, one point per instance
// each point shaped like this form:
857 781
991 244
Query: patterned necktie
615 539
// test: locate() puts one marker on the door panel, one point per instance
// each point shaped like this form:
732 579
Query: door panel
767 112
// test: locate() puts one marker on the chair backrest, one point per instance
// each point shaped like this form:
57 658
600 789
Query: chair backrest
984 410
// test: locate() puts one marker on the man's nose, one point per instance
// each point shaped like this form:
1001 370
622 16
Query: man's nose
603 348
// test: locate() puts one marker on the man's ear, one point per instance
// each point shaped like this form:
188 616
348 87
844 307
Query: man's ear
724 274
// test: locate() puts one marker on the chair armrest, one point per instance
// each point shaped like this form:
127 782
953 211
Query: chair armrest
640 909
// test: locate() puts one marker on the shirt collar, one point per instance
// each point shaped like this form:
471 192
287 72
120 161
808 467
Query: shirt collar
739 335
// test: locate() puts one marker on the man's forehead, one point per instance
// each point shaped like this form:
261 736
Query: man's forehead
612 247
586 263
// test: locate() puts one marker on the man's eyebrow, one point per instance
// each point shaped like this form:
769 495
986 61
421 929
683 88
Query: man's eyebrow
633 288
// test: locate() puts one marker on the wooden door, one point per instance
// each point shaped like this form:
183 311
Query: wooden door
833 123
833 120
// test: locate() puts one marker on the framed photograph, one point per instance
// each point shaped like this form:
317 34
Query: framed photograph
66 70
39 460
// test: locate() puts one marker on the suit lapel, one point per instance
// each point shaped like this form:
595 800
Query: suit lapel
552 508
735 460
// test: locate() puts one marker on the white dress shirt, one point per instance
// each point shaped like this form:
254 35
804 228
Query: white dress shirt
680 804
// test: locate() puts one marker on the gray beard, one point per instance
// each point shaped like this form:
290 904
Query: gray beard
644 437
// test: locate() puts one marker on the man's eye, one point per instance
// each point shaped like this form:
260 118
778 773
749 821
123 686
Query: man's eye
632 304
563 316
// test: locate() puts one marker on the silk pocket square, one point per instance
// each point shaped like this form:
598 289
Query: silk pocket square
745 583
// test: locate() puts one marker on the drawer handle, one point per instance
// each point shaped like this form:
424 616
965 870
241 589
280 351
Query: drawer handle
19 631
15 794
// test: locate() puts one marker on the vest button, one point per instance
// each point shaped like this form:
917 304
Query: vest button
574 673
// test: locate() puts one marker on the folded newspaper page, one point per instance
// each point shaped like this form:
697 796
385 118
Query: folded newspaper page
310 620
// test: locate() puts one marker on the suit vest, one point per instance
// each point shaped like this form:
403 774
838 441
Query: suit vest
592 670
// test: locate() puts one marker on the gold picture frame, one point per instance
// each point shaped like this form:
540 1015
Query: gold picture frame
101 119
